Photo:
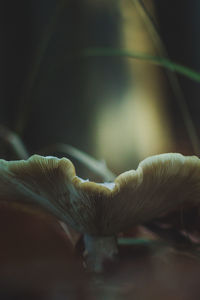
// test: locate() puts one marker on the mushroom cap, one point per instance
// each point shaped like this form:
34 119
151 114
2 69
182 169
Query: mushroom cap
160 184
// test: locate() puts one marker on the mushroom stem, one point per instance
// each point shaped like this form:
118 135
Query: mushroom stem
98 249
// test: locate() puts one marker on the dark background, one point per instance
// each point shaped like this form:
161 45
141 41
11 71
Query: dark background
59 106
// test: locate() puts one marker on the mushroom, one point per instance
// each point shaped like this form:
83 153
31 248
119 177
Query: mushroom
100 211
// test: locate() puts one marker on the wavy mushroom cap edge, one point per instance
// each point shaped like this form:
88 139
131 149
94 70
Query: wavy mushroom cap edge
159 184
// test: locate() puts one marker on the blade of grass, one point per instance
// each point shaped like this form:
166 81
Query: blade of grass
173 80
161 61
25 100
14 142
98 167
128 241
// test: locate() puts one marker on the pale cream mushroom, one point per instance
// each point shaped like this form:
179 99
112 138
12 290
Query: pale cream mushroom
101 210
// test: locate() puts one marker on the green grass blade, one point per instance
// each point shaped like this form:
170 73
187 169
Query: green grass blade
26 101
161 61
130 241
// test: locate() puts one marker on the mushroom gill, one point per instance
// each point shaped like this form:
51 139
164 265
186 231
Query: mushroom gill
158 186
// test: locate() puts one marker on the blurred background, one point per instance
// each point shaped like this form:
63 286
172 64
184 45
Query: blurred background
116 109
